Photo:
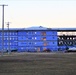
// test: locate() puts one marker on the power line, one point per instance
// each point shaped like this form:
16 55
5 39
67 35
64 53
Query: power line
3 27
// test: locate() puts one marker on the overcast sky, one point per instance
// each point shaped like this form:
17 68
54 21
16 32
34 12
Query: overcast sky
47 13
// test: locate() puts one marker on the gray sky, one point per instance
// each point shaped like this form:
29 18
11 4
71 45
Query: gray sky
47 13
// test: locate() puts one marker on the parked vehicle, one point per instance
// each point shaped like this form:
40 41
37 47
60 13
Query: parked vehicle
72 49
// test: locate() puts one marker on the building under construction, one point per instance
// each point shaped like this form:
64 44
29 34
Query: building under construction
38 39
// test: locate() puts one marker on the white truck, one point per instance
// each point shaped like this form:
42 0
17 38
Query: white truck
71 49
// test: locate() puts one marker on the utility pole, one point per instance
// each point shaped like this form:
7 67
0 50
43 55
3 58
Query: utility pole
3 27
9 51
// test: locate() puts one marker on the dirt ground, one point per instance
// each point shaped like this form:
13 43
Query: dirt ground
38 64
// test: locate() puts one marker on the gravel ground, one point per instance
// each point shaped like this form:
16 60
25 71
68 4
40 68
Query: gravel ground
38 64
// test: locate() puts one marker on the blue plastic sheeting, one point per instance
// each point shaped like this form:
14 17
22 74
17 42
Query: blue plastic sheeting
22 43
62 48
22 38
53 43
27 49
51 37
21 33
51 32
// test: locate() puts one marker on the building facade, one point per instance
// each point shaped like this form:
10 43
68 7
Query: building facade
38 39
66 38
